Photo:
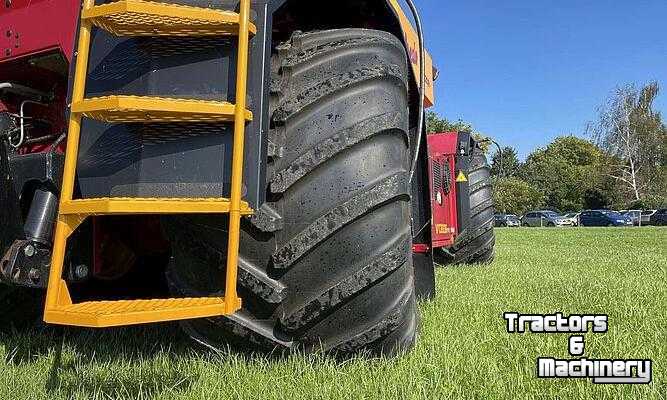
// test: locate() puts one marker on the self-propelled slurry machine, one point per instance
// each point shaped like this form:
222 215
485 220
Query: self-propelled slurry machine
269 156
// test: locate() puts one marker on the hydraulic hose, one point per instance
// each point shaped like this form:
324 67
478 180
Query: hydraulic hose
422 83
500 154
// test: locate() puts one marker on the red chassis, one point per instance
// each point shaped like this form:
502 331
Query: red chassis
447 173
442 177
36 47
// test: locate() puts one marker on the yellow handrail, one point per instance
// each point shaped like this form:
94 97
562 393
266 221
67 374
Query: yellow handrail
232 299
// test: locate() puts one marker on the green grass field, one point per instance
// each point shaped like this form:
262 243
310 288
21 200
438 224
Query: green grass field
463 350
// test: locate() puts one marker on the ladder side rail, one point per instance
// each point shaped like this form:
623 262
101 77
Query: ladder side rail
232 301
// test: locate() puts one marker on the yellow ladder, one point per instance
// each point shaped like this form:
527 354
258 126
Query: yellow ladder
143 18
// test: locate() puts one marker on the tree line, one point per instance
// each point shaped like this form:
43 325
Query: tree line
622 163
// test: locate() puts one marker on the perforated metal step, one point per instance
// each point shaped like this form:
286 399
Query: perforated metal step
100 314
147 18
155 109
135 205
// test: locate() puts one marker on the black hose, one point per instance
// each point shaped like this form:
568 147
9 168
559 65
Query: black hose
422 83
500 155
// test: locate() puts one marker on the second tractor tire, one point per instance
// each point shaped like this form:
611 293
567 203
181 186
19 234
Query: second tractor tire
477 243
326 262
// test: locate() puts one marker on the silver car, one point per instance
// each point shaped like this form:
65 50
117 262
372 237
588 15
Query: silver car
543 218
646 216
635 215
572 219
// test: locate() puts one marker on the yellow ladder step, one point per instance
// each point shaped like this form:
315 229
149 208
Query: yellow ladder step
155 109
147 18
99 314
135 205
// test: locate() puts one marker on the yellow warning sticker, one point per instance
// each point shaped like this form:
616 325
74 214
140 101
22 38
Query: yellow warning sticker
441 229
461 177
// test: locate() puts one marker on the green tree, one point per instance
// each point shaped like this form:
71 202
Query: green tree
437 124
571 174
505 163
652 202
515 196
629 129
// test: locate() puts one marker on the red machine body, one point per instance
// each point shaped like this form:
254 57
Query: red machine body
36 47
35 26
442 149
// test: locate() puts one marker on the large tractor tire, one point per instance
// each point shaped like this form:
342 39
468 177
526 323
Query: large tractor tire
325 264
476 244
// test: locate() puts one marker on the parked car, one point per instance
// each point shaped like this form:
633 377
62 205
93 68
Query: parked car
572 218
604 218
507 220
635 215
659 218
646 216
543 218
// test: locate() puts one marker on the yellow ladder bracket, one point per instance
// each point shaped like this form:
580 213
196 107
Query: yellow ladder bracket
143 18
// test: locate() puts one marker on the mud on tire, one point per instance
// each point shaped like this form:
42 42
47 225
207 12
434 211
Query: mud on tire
326 262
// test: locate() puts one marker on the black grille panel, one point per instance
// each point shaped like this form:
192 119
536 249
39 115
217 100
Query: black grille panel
437 176
442 177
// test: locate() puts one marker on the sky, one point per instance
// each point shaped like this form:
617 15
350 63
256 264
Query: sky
526 71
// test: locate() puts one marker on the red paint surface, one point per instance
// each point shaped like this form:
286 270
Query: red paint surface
29 31
34 26
420 248
444 225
